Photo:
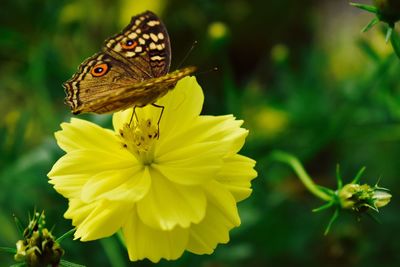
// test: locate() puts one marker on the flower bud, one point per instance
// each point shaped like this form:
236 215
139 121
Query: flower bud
38 248
382 197
363 197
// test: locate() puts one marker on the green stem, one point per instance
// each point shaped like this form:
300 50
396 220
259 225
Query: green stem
395 40
301 173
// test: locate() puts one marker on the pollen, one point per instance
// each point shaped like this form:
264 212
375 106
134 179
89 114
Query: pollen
138 137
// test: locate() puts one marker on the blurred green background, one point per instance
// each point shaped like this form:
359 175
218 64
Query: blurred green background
300 74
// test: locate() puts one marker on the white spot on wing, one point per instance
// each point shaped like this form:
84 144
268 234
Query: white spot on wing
152 46
153 37
118 47
132 35
146 36
160 36
153 23
157 58
130 54
138 49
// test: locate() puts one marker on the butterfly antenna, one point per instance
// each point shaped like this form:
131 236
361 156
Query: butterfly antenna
207 71
187 54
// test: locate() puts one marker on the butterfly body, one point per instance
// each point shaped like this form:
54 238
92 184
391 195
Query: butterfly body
132 70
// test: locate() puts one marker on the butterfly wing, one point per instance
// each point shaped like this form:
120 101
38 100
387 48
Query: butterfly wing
143 45
139 94
96 77
131 70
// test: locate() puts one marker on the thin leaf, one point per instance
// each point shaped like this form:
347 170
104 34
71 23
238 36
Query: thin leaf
65 263
331 221
368 8
19 225
371 24
358 176
67 234
18 264
8 250
395 41
339 179
324 207
389 34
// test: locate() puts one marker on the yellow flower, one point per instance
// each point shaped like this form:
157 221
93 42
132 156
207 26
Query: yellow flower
168 193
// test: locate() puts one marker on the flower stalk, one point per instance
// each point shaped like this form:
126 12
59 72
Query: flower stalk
302 174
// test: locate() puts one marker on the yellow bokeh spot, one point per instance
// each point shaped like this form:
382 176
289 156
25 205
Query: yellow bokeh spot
267 122
279 53
217 30
131 8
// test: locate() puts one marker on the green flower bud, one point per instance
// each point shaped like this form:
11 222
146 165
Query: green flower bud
39 247
363 197
382 197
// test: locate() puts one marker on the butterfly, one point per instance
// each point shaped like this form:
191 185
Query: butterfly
131 71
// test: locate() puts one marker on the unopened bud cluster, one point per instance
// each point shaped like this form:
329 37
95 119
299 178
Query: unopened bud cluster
38 248
363 197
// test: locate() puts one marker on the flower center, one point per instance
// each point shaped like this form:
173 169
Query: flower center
138 137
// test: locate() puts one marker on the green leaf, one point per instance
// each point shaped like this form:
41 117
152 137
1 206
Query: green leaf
339 177
65 263
389 34
331 221
67 234
358 175
19 225
324 207
8 250
371 24
395 41
368 8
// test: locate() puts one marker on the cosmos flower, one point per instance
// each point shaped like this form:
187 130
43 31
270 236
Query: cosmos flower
171 183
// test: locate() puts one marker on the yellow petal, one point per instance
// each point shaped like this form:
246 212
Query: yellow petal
102 220
120 118
81 134
78 211
236 174
182 105
145 242
75 168
192 165
129 185
223 130
168 205
221 217
68 185
199 130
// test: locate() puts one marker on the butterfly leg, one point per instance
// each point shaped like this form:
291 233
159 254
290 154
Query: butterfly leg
159 119
133 115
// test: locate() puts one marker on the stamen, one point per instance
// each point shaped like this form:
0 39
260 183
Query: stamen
138 137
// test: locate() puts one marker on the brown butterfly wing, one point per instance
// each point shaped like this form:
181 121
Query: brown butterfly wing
131 70
143 45
138 94
85 86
